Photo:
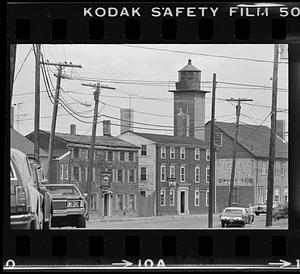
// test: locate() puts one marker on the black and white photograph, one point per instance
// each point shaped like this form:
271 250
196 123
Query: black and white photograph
149 136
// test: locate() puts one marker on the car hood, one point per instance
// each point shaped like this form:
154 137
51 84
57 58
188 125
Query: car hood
66 197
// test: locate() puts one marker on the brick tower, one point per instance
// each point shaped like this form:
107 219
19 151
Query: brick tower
189 103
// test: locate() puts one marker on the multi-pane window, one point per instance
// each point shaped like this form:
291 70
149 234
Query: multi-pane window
131 175
93 201
286 194
182 153
207 198
282 169
264 168
163 173
61 171
197 153
235 195
277 194
162 197
131 202
207 155
197 174
76 152
163 152
260 194
143 173
172 152
171 197
172 171
119 201
82 174
76 173
207 174
120 175
130 156
143 150
109 155
182 173
66 171
197 197
122 156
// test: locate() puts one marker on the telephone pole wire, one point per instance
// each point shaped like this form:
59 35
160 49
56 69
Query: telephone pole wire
272 139
54 114
238 112
212 193
93 137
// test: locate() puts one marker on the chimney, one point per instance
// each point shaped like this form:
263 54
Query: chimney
126 119
280 129
73 129
106 128
12 117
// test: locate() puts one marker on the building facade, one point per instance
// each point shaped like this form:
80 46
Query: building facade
176 169
251 171
114 190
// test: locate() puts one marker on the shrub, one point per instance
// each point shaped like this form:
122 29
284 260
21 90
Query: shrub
280 212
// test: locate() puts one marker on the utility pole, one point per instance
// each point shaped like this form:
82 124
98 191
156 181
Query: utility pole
37 52
13 49
54 114
211 208
238 112
93 137
272 139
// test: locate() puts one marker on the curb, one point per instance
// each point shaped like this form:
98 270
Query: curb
166 217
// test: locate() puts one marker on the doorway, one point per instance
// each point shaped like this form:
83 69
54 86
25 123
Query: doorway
106 203
182 202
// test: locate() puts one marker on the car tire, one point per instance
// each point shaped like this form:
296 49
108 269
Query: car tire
256 213
223 224
81 222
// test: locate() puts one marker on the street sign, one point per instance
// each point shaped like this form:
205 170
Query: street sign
105 179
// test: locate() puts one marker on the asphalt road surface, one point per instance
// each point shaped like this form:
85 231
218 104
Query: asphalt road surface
177 222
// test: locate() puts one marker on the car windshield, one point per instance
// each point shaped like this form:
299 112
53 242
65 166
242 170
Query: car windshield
63 190
233 211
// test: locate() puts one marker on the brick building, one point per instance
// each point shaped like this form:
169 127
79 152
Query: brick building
114 185
250 184
175 168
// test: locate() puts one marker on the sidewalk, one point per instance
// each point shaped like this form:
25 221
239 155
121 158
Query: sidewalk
130 218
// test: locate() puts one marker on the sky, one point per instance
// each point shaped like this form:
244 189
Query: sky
142 76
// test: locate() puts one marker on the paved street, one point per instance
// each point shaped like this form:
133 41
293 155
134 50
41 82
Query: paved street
175 222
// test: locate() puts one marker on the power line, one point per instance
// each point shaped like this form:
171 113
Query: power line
203 54
22 64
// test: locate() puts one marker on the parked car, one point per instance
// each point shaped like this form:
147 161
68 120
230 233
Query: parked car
261 208
234 216
68 205
25 200
47 199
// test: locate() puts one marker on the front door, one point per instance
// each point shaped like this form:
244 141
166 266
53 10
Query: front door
106 205
182 202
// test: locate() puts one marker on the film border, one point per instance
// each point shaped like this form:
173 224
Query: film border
264 246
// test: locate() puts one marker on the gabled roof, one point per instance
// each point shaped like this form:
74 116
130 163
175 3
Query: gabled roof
108 141
20 142
169 139
255 139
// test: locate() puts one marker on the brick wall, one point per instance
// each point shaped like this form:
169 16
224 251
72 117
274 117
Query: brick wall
245 197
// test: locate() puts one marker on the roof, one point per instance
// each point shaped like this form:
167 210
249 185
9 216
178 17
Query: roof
189 67
108 141
255 139
20 142
169 139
